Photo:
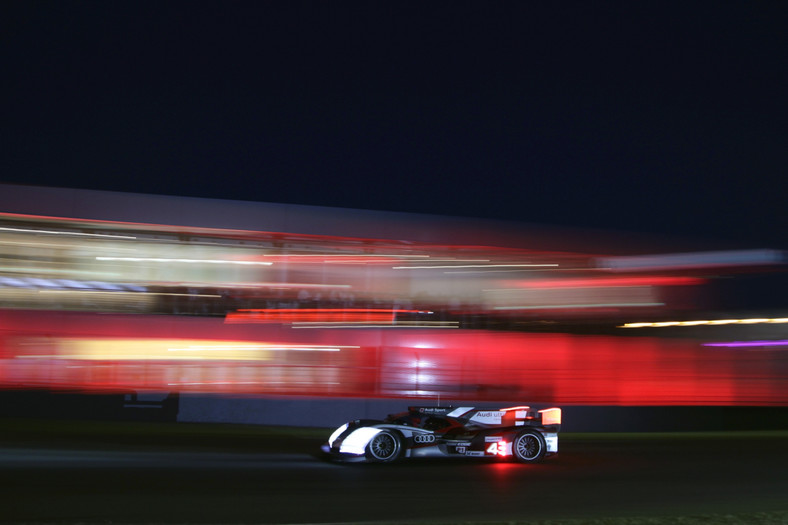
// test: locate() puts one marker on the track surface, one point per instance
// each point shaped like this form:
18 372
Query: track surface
604 476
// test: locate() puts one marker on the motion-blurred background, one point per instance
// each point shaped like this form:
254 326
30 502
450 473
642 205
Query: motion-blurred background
302 212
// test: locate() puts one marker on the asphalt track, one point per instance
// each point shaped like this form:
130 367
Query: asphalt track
282 480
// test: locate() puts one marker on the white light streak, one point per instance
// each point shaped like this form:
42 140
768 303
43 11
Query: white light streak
73 234
708 322
288 285
422 378
212 348
557 306
187 261
119 292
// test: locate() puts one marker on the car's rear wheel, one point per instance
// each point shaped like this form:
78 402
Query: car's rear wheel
384 447
529 446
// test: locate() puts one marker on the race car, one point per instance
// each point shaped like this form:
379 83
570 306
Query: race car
516 432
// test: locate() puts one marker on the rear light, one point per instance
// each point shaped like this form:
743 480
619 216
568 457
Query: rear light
551 416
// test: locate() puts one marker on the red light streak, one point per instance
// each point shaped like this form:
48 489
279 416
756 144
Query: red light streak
302 315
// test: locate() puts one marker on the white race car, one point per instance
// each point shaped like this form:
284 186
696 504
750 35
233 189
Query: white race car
517 433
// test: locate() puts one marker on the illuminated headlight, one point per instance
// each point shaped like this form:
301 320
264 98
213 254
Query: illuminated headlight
336 434
356 442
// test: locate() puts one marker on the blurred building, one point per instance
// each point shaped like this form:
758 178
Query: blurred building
130 292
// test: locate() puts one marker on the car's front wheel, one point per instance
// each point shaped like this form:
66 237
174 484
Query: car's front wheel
384 447
529 446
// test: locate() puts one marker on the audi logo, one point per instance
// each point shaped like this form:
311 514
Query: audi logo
424 438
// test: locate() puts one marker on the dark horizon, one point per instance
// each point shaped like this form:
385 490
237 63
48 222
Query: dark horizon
656 118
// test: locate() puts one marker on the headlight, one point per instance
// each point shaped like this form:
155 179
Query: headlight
356 441
336 434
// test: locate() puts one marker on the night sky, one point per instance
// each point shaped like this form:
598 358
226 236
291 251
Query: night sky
653 117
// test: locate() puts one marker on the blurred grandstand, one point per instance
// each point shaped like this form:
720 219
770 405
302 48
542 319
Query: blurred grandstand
114 292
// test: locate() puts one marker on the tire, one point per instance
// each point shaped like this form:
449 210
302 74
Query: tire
384 447
529 447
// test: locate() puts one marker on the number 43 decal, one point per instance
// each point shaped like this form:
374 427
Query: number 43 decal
498 448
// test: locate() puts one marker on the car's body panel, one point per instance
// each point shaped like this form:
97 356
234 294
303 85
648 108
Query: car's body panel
424 432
